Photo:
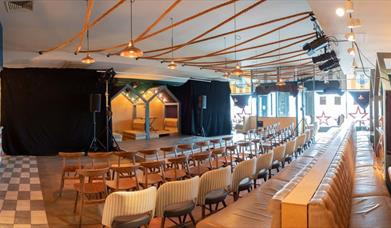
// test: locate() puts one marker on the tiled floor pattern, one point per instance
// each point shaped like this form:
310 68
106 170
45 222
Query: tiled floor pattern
21 200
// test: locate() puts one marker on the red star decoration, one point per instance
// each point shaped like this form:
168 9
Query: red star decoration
358 112
323 118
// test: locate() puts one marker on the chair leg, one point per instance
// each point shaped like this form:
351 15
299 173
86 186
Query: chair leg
192 218
270 173
163 221
255 183
236 196
265 178
203 211
217 206
76 200
224 204
62 184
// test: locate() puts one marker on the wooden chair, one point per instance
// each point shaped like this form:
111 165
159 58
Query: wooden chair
129 209
232 153
171 150
214 188
185 148
218 158
228 141
178 170
149 153
176 199
290 150
203 146
215 143
279 157
124 159
100 160
300 144
71 161
153 173
91 189
125 178
245 150
201 164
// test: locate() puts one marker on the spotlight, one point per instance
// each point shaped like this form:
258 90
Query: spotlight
350 36
340 12
328 65
316 44
324 57
354 23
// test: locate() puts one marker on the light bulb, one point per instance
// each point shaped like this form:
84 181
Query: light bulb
88 59
340 12
172 65
350 36
351 51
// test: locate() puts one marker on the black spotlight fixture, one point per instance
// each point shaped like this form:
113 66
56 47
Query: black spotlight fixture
324 57
329 64
316 44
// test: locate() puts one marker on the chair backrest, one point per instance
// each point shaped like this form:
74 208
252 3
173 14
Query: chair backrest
244 169
130 155
92 175
264 161
227 140
290 147
129 203
213 180
307 135
149 152
176 192
185 147
215 142
279 153
69 158
100 159
168 150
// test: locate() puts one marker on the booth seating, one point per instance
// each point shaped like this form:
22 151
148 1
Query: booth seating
171 125
138 131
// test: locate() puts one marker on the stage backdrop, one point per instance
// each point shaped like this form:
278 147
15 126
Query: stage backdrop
45 111
216 116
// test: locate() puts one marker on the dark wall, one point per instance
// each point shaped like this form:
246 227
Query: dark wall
217 116
45 111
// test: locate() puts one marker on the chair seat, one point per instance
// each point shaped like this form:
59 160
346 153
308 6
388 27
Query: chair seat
179 209
123 184
215 196
170 174
198 170
153 178
219 164
131 221
262 173
125 165
245 184
90 188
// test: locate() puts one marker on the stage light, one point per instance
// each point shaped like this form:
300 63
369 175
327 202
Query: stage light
348 6
328 65
324 57
354 23
350 36
88 59
172 65
351 51
316 44
340 12
237 71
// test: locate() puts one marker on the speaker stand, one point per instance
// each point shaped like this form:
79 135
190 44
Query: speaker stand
95 141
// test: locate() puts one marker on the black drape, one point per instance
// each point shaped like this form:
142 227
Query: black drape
241 101
217 115
45 111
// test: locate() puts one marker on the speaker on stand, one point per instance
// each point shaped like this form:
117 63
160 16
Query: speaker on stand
95 104
202 106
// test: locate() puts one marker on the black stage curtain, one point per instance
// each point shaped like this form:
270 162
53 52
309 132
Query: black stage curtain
45 111
217 115
241 101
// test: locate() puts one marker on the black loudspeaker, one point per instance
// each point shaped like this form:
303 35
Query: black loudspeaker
95 99
202 102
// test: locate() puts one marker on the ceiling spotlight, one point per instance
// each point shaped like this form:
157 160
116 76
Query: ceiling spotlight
172 65
351 51
324 57
88 59
316 44
340 12
354 23
348 6
328 65
237 71
350 36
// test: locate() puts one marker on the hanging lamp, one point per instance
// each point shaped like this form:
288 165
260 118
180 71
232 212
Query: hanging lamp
88 59
237 71
279 82
172 65
131 51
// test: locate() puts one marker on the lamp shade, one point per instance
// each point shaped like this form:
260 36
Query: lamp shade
131 51
237 71
88 59
172 65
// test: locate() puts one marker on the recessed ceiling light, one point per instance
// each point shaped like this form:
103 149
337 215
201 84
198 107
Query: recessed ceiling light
340 12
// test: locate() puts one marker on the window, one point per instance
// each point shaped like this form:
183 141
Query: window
337 100
322 100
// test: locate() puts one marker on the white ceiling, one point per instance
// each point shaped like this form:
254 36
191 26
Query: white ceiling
52 22
374 35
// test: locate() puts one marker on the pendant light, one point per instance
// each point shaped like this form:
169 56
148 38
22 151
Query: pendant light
279 82
172 65
350 36
88 59
131 51
351 51
237 71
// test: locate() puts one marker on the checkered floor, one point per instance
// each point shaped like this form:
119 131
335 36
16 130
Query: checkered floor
21 201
